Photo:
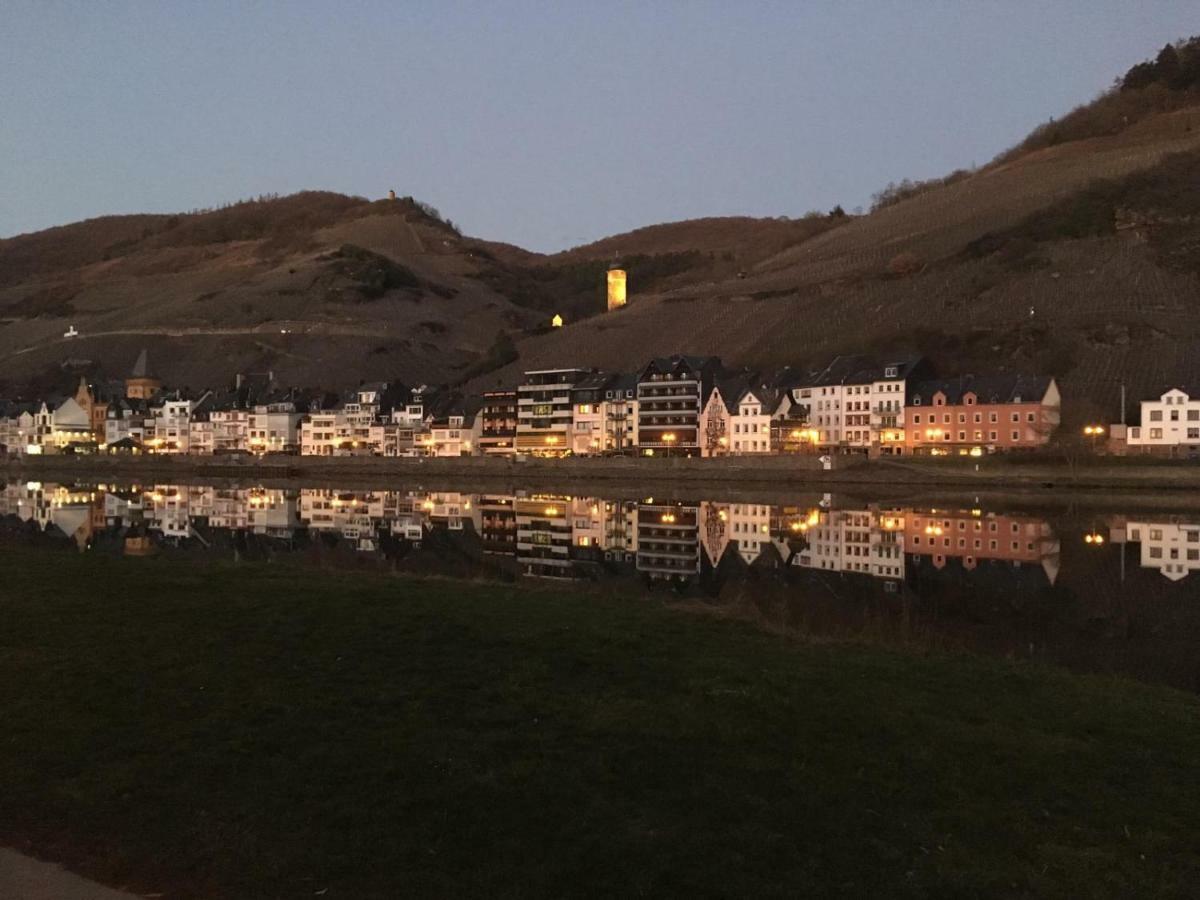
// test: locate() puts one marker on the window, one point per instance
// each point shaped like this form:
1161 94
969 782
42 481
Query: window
1016 435
1156 534
1156 415
1194 415
917 419
889 372
1155 434
1016 417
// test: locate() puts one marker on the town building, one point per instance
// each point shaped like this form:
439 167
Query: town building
671 393
17 427
126 420
498 423
273 423
456 432
856 405
982 414
1167 425
589 431
544 411
172 415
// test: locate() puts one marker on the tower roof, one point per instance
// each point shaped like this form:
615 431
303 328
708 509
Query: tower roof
141 368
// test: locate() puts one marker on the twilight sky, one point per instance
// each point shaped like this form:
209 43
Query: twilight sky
543 124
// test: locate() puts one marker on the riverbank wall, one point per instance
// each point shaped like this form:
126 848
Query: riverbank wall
804 472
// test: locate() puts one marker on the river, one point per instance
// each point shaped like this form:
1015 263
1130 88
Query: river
1100 591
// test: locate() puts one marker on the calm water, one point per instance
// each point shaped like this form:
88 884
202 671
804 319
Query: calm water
1099 592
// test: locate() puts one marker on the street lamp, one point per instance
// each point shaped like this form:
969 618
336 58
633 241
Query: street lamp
1094 432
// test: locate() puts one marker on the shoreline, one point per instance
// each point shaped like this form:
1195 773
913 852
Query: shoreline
1178 483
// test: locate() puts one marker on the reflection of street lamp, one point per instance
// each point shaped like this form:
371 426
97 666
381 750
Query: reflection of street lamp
1094 538
669 440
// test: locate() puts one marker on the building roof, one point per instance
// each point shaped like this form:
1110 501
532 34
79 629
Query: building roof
596 381
625 381
767 394
695 363
730 389
141 368
1007 388
859 369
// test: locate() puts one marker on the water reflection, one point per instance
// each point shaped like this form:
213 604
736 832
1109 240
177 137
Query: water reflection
1106 593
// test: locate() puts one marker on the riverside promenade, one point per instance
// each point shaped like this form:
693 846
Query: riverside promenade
810 472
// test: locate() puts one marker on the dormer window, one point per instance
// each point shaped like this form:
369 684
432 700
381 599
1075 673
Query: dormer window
889 372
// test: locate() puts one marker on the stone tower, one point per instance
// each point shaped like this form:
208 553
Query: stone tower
616 287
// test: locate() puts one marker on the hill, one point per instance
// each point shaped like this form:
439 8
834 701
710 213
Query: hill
1077 258
1073 254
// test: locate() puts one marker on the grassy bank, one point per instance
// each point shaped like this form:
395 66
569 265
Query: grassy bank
250 731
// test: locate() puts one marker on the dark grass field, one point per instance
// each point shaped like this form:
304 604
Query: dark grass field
260 732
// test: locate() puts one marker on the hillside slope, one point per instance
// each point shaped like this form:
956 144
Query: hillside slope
1091 308
1074 254
321 288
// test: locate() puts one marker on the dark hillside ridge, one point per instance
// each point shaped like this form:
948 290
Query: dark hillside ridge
1074 255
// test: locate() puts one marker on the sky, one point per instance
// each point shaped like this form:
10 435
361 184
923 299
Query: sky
546 125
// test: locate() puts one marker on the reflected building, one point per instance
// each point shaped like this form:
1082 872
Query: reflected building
544 535
867 541
938 536
668 540
1169 544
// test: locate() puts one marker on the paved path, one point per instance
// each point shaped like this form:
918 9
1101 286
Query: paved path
24 878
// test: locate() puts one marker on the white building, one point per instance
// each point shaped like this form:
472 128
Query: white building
456 434
69 424
172 424
274 427
750 425
1169 424
322 432
857 405
17 429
